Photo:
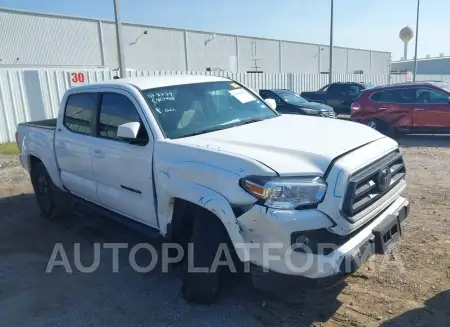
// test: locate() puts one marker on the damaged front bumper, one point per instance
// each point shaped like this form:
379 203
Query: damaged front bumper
274 260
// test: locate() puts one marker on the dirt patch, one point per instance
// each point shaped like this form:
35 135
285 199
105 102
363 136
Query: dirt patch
409 287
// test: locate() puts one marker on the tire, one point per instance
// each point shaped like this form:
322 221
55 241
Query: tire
383 127
207 234
53 202
374 123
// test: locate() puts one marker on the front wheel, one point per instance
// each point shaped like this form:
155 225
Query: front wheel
53 202
207 235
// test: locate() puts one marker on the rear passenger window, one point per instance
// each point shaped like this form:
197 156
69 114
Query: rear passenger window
79 112
399 96
376 96
389 96
115 110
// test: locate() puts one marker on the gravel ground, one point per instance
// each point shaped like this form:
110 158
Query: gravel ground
409 287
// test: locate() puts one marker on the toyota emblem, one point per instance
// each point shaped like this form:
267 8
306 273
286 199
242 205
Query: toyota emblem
384 179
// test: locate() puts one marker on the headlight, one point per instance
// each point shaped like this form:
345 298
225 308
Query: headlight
286 193
311 111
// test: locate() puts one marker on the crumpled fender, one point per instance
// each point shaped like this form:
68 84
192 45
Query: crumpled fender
170 188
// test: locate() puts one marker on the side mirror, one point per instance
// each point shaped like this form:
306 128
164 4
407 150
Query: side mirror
271 103
128 131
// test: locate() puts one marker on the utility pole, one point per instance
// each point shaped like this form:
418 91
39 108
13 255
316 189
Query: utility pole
122 66
330 75
417 41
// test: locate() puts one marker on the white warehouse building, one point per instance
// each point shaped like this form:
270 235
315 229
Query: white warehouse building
425 66
44 40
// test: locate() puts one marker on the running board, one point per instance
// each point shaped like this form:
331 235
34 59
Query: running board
86 208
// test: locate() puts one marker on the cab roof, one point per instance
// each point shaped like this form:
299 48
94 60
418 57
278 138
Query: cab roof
150 82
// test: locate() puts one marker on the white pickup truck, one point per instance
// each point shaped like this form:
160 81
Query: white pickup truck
204 160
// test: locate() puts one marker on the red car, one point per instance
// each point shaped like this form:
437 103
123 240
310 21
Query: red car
422 107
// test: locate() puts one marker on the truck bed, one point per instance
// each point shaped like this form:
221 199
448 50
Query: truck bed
36 138
46 123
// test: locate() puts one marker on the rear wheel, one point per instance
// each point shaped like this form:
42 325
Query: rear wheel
383 127
53 202
374 123
207 235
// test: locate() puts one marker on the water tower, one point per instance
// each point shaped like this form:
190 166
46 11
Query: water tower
406 34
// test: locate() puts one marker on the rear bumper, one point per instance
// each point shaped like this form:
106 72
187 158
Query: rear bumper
313 271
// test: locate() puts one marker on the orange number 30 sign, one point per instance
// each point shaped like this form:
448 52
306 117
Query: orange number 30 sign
77 77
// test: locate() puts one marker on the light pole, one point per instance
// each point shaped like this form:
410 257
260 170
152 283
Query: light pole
330 75
417 41
121 56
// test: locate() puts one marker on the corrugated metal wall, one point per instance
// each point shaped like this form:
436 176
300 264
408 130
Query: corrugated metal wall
300 58
158 49
266 53
211 51
439 66
34 94
42 40
49 40
30 94
437 78
381 62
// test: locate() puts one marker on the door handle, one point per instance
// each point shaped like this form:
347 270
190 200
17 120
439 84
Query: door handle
418 109
98 153
382 108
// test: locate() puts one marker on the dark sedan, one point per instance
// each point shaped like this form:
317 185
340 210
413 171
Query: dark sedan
289 102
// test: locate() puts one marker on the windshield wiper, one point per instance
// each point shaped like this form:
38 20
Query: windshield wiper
220 127
207 130
254 120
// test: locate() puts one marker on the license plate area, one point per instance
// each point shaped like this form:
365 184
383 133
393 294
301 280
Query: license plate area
387 233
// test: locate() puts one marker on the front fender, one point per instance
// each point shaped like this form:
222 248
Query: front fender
169 189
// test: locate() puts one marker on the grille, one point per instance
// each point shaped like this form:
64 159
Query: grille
329 114
366 187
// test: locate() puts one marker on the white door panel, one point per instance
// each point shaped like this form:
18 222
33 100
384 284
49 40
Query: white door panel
123 171
124 180
83 187
73 152
73 145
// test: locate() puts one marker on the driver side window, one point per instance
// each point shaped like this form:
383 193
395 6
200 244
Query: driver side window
431 96
116 109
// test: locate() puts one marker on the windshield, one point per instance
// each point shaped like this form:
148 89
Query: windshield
190 109
445 87
290 97
368 86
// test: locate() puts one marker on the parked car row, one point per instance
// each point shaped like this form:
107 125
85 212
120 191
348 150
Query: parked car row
330 100
422 107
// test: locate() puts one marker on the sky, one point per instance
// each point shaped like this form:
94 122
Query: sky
364 24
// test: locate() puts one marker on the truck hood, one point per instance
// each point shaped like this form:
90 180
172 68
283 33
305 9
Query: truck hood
289 144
